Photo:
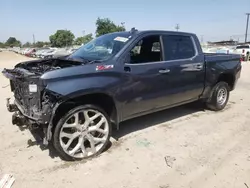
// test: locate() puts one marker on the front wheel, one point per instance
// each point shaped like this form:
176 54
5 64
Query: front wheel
82 133
219 97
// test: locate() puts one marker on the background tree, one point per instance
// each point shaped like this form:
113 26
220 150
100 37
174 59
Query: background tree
2 45
12 41
40 44
62 38
83 40
27 45
105 25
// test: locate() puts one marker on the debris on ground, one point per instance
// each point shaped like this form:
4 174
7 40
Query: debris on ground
5 86
246 185
170 161
7 181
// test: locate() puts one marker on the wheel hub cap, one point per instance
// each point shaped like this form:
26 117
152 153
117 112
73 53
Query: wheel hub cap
222 96
84 133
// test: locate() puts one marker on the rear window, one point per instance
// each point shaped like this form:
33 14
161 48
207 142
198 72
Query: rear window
178 47
241 47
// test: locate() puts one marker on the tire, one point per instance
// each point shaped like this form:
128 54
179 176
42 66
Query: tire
82 133
215 102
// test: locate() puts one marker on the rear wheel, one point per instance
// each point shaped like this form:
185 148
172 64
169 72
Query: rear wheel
219 97
82 133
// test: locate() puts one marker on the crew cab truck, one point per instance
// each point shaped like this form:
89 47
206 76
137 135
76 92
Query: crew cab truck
76 100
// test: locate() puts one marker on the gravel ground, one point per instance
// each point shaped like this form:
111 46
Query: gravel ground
181 147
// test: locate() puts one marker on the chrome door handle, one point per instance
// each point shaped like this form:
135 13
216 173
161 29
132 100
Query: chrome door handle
164 71
199 66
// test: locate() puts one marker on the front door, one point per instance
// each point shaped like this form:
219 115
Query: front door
145 78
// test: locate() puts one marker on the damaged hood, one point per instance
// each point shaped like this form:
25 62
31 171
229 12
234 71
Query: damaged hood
62 68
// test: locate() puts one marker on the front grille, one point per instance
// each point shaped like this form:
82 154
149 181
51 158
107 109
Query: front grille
29 101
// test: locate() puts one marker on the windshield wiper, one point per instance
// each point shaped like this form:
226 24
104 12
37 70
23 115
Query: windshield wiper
83 60
95 61
78 59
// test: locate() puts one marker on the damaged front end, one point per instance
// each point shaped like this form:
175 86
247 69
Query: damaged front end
34 106
34 103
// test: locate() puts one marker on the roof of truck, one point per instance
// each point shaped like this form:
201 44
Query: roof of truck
155 31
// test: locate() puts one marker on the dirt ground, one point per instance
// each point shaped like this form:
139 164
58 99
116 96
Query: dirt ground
181 147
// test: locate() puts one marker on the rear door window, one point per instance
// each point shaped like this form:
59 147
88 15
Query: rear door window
178 47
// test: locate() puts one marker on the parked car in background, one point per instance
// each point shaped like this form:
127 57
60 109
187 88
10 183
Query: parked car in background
243 50
25 50
61 52
30 51
226 49
42 52
72 50
48 54
76 100
39 52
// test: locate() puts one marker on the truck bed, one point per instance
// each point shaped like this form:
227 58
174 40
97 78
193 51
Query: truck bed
217 57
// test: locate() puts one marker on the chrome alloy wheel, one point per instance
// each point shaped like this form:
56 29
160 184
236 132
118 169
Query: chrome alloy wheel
222 96
84 133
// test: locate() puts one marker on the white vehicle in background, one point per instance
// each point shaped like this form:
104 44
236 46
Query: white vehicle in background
72 50
209 49
61 52
243 50
40 51
226 50
48 54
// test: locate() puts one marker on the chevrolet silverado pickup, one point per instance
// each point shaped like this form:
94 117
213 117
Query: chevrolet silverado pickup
77 99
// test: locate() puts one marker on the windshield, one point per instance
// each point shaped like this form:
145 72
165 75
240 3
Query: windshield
103 47
241 47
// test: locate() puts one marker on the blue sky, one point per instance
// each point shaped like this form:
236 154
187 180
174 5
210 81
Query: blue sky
214 19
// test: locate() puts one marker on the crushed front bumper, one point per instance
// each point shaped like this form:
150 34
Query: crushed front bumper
40 117
40 124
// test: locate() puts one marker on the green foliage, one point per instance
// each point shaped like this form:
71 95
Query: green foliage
105 25
62 38
83 40
40 44
12 41
2 45
27 45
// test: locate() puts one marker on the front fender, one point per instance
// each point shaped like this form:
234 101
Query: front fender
71 88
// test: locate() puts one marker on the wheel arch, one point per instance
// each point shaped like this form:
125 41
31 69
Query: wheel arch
229 78
101 99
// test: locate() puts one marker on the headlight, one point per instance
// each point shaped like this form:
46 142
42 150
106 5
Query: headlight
32 88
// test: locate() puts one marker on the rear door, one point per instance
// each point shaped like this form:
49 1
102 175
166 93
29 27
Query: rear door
186 77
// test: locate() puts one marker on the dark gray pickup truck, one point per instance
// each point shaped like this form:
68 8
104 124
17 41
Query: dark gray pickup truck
77 99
